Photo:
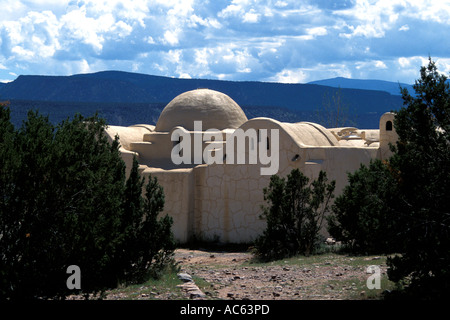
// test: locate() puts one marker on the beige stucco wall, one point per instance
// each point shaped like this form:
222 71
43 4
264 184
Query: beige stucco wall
179 195
227 202
337 162
228 198
128 135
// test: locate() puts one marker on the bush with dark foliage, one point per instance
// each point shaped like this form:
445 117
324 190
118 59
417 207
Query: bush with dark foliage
294 216
402 206
364 217
64 200
422 160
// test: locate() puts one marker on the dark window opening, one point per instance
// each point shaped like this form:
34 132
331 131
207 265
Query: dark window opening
389 126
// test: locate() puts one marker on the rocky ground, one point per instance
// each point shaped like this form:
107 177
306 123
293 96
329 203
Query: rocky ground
234 276
205 274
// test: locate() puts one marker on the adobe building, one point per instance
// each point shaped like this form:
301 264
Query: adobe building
222 200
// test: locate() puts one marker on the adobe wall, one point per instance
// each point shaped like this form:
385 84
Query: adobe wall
337 162
179 194
228 197
227 202
223 201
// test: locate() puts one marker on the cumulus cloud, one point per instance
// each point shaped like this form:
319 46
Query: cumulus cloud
283 40
290 76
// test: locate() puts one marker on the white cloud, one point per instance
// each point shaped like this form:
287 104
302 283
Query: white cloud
83 66
33 36
370 65
372 19
185 76
247 11
287 40
412 64
251 16
171 37
174 56
281 4
380 65
149 40
290 76
230 10
404 28
404 62
317 31
437 11
311 73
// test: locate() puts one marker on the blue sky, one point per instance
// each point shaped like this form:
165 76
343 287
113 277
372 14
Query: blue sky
274 40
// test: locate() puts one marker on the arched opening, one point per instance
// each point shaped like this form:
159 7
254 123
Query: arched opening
389 126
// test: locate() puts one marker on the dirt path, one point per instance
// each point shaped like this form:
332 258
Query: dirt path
233 276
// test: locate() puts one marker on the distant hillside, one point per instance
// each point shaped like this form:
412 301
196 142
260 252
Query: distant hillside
126 114
115 91
390 87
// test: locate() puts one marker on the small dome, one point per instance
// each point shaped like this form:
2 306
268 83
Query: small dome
215 109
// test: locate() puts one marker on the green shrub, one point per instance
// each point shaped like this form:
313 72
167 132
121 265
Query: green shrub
62 203
402 205
422 158
364 217
294 216
148 241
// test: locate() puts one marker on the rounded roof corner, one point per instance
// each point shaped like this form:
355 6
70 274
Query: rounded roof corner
311 134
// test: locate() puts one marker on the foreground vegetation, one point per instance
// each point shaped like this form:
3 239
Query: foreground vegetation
65 201
402 204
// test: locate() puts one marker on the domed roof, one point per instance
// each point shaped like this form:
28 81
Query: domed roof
216 110
310 134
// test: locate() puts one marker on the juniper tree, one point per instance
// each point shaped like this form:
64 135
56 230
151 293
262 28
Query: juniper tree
422 160
364 217
294 215
148 241
402 205
65 201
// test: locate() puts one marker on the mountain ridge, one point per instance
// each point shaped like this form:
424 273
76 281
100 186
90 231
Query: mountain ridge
118 88
367 84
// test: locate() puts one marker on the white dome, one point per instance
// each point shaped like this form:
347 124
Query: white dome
216 110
